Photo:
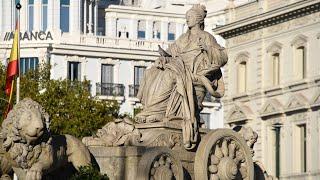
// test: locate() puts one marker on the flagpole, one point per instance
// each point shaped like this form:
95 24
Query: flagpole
18 6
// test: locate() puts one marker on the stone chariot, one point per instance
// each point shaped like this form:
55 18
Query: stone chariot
165 140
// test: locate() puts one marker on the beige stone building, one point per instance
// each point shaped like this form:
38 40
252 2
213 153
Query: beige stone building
273 82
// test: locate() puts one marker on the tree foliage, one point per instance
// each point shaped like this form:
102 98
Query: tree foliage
88 173
71 108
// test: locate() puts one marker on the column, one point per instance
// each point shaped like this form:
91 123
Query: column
90 18
37 15
179 29
133 34
56 15
50 19
75 17
111 24
96 17
164 31
85 17
149 29
23 15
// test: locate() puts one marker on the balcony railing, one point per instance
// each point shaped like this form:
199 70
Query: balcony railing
133 90
110 89
104 41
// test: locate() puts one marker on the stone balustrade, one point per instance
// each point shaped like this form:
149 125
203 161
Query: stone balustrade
104 41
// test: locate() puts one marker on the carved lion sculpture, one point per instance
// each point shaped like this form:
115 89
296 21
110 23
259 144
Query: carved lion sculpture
29 148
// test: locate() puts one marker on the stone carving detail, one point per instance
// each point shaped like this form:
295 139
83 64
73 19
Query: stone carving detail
296 101
244 38
170 140
30 148
163 168
249 136
160 164
239 113
118 133
224 155
271 107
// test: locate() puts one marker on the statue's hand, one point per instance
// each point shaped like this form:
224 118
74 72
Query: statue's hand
202 45
160 62
34 173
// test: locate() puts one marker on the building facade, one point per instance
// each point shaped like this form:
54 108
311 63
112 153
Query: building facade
110 43
273 82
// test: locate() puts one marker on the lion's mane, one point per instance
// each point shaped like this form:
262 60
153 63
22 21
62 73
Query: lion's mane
25 155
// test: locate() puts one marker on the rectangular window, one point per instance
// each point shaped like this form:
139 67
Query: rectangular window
138 74
74 71
277 151
28 63
303 147
106 73
64 15
300 62
44 15
30 14
141 29
300 148
206 118
141 34
276 68
171 36
242 77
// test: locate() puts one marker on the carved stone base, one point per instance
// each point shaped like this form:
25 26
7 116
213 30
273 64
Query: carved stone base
159 155
161 152
142 163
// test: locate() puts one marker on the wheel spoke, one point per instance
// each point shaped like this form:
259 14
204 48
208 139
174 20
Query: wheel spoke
224 148
218 152
232 147
214 159
243 171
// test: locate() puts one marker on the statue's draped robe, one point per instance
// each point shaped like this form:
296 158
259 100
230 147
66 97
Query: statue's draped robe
170 92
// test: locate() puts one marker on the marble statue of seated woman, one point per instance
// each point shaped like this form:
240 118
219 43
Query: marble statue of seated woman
178 82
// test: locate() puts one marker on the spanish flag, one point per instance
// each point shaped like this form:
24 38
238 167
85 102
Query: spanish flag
12 68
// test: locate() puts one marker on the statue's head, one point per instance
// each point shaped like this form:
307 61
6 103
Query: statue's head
26 123
196 15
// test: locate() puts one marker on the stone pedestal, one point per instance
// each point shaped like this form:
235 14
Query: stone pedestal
124 162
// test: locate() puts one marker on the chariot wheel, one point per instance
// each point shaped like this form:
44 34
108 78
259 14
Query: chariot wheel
223 155
159 163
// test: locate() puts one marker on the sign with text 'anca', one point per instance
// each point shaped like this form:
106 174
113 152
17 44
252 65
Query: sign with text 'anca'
30 36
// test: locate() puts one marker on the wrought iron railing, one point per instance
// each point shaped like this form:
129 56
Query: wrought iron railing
110 89
133 90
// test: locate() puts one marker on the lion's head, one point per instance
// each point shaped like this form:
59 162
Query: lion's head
24 131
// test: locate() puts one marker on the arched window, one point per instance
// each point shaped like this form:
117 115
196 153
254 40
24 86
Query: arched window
141 29
242 77
275 68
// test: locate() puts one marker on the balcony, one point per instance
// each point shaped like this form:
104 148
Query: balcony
133 90
110 89
108 42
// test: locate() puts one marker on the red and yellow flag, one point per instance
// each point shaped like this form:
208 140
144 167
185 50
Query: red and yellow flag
12 68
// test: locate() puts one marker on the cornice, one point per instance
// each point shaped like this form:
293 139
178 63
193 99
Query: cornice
270 18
